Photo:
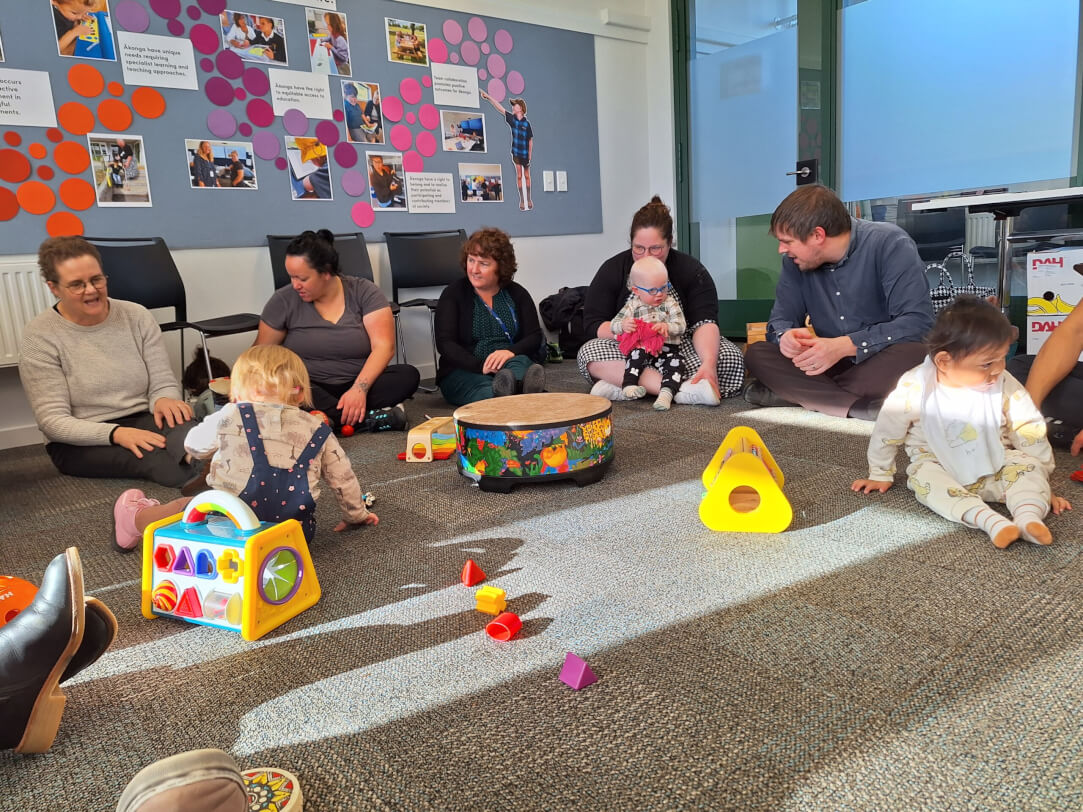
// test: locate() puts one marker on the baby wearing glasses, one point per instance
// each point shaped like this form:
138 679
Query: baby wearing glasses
649 329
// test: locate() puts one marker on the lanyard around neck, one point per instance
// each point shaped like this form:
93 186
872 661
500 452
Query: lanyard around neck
500 321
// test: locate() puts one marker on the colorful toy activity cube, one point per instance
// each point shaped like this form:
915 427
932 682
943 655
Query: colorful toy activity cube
534 438
233 571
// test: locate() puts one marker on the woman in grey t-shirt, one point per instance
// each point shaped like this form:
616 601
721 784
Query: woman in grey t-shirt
342 328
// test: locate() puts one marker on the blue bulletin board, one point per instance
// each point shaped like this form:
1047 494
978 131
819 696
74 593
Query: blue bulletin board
126 157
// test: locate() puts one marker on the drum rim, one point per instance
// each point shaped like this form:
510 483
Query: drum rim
535 426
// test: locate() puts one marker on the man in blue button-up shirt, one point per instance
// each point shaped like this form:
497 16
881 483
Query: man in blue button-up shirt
851 310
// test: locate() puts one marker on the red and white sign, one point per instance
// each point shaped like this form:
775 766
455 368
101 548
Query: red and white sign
1054 288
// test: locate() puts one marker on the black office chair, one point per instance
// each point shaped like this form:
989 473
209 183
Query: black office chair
423 259
353 256
141 270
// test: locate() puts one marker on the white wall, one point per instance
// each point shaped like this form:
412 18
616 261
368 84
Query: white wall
635 131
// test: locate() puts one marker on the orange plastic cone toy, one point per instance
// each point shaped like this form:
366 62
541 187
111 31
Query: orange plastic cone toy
472 573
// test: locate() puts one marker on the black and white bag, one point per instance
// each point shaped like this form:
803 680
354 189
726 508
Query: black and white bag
945 291
970 288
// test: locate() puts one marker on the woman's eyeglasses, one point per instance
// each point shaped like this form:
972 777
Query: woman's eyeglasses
96 282
653 250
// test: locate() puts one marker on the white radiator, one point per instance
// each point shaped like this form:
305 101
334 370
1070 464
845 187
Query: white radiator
23 295
981 229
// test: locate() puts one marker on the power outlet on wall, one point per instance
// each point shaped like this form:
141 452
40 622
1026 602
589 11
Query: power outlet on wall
547 180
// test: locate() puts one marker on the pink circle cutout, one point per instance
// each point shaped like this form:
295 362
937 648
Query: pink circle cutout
206 64
166 9
345 154
266 145
477 29
213 6
219 91
175 27
256 82
429 117
354 183
503 41
496 89
327 133
295 121
280 163
193 12
410 90
426 144
229 64
338 115
259 112
392 108
401 137
426 80
437 50
411 118
363 214
131 16
203 38
495 64
485 47
412 162
454 59
471 53
516 83
482 75
245 129
453 32
241 94
221 123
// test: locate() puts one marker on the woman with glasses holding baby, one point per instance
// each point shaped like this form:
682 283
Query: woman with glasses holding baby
713 367
98 378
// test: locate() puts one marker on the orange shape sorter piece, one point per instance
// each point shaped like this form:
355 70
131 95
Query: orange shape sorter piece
491 600
472 573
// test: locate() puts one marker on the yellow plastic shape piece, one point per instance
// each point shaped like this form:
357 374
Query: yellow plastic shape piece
422 434
230 566
741 439
745 498
491 600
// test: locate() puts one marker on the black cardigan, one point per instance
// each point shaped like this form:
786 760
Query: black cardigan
609 290
455 322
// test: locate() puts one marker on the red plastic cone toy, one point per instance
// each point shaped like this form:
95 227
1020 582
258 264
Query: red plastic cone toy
472 573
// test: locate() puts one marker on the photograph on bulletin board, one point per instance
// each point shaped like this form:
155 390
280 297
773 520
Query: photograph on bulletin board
83 29
462 132
406 42
253 37
386 187
361 104
1 48
221 164
119 163
481 183
310 174
328 43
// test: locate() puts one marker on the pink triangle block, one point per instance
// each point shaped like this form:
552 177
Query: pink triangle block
576 673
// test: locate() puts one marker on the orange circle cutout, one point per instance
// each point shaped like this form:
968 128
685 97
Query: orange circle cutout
148 102
64 224
9 205
116 89
14 167
75 117
36 197
86 80
115 115
46 172
76 193
37 151
12 138
71 156
54 134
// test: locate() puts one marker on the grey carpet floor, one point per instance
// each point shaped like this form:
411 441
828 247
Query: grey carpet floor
873 656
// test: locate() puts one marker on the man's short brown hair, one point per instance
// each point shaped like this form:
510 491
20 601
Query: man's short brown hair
807 208
60 249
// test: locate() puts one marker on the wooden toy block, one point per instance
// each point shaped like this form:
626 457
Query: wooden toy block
420 438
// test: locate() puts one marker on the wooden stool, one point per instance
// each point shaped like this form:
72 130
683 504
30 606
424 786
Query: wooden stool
534 438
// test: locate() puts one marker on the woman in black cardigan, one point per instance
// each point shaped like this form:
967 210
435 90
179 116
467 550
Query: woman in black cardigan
487 329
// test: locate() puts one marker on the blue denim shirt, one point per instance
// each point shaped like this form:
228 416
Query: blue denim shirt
877 294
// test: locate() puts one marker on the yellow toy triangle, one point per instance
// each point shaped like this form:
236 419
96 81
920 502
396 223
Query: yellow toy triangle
744 487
